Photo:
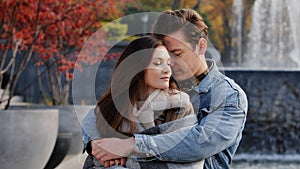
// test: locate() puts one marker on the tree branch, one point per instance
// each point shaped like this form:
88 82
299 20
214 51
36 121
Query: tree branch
196 7
27 57
9 37
12 60
176 4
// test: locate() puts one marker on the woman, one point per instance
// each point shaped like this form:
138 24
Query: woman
142 94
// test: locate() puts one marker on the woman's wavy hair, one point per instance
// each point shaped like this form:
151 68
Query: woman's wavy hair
127 87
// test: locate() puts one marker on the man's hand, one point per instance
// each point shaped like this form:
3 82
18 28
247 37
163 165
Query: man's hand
112 148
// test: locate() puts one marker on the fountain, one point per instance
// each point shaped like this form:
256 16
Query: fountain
274 36
236 52
269 75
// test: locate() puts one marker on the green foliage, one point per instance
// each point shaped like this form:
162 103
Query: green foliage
149 6
216 14
115 30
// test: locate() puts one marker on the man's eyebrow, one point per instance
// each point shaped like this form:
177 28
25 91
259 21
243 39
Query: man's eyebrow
176 50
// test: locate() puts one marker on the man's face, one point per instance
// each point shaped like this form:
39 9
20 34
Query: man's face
186 62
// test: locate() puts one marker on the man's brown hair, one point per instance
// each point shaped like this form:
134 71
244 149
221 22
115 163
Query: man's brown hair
188 20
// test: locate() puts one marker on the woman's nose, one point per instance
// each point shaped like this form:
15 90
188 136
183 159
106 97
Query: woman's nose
166 68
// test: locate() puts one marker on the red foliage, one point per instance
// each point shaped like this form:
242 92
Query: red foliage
62 27
54 31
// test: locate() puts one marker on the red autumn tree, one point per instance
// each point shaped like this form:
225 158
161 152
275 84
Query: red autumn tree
53 33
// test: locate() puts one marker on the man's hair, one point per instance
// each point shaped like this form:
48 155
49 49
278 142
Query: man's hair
187 20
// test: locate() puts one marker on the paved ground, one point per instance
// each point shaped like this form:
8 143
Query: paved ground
270 161
265 165
75 162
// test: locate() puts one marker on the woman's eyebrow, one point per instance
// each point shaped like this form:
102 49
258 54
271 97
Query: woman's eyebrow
157 57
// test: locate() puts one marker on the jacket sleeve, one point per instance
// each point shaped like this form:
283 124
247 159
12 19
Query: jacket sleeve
89 130
216 131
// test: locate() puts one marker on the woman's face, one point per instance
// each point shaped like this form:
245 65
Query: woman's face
158 72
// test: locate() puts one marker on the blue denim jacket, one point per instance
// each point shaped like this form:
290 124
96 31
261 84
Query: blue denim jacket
221 107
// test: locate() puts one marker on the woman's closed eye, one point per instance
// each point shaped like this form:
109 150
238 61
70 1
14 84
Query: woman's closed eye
157 63
160 63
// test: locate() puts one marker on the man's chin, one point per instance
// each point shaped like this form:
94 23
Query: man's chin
178 78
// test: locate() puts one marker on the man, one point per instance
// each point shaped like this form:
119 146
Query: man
221 105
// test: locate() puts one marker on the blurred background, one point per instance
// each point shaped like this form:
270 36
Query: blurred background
42 44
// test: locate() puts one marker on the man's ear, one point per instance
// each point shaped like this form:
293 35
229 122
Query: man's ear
202 46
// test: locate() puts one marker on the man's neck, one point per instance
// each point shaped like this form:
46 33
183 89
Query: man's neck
195 80
203 67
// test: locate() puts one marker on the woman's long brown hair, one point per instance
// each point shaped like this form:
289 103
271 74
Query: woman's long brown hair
127 87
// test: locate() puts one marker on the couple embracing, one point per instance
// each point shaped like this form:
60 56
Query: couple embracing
167 105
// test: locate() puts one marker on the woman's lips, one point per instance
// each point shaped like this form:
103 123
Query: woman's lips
165 78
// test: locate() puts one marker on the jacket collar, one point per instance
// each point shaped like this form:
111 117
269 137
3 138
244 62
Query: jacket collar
205 83
209 79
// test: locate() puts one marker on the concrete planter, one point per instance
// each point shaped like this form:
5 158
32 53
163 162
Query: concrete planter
69 140
27 137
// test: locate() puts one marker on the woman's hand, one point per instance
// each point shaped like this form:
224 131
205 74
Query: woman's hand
106 149
120 161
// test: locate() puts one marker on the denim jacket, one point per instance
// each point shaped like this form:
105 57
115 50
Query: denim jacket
221 107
